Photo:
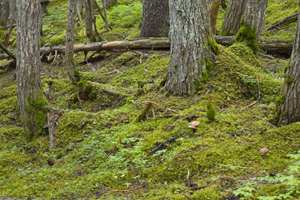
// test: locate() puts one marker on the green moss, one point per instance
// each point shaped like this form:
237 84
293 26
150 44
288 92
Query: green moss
214 46
77 75
280 98
36 104
286 67
248 35
288 79
210 112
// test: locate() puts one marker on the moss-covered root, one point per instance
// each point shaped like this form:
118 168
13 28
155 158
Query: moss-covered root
35 116
248 35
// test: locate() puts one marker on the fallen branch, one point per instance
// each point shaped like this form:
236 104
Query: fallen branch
161 107
288 19
8 52
248 106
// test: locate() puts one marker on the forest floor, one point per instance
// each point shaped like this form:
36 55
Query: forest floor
103 151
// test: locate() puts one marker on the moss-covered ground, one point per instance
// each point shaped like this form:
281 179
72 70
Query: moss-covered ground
102 151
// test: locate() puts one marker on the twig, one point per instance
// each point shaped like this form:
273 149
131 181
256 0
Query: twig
258 88
248 106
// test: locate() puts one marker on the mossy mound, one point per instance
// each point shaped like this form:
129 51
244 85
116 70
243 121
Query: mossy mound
101 148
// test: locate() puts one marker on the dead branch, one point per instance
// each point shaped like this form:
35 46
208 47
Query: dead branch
8 52
288 19
161 107
248 106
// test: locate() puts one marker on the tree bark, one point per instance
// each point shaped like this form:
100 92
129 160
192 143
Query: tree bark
288 105
155 21
29 88
213 13
89 18
191 40
4 12
69 61
233 17
255 12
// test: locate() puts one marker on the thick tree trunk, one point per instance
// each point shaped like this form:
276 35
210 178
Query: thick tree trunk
30 96
70 41
288 108
233 17
255 12
191 41
213 13
89 17
155 21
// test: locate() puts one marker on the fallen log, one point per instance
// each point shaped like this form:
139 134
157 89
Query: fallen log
288 19
271 46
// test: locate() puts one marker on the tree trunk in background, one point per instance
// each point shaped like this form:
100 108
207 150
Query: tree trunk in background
255 12
105 14
80 5
213 13
288 105
4 12
70 41
29 88
233 18
110 3
44 4
191 41
155 18
89 17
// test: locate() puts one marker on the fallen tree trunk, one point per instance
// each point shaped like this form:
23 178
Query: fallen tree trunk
271 46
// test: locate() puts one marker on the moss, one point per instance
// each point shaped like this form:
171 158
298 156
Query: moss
280 98
37 104
288 79
77 75
248 35
214 46
210 112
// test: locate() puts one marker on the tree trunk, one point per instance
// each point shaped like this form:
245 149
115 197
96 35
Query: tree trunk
4 12
44 4
288 105
110 3
255 12
69 62
191 43
213 13
233 17
155 21
89 18
29 90
105 14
